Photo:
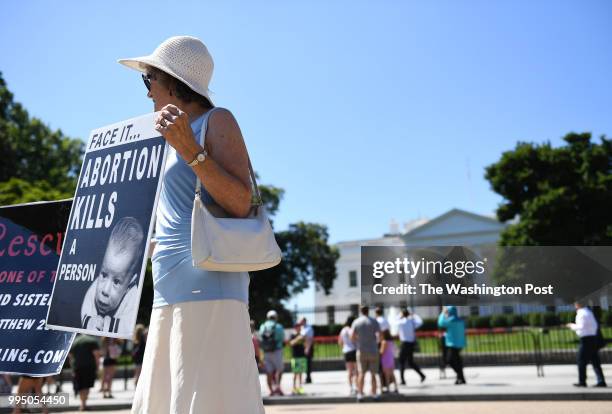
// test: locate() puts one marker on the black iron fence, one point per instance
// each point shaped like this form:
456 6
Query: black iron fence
522 345
493 346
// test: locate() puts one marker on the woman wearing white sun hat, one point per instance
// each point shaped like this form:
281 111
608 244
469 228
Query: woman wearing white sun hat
199 356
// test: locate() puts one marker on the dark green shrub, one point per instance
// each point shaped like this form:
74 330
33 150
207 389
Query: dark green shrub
499 321
566 317
327 330
516 320
550 319
534 319
544 319
606 318
479 322
429 324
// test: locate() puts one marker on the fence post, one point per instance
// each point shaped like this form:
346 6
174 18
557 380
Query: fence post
537 349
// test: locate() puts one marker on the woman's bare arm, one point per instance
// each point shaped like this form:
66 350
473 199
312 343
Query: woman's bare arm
225 172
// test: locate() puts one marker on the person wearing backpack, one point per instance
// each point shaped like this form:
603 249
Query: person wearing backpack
272 338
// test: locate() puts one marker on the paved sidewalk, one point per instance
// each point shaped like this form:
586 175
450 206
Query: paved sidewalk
482 407
484 383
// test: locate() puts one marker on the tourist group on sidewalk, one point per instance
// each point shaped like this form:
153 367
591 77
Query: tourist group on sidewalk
368 346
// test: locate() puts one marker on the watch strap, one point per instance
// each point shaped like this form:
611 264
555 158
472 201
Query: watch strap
195 160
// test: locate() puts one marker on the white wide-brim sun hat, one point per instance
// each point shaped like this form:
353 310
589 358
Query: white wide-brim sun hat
184 57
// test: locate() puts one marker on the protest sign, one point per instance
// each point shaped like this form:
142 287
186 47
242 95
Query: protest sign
102 265
31 238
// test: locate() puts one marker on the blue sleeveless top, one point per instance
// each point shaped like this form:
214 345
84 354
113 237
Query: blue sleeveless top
174 277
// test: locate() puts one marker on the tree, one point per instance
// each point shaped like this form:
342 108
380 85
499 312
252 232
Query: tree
37 162
561 196
555 197
16 191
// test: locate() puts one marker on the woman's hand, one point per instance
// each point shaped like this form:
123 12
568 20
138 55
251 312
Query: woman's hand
175 127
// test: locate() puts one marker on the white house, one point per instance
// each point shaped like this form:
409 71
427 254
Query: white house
455 227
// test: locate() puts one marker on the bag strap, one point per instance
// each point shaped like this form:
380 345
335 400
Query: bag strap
255 201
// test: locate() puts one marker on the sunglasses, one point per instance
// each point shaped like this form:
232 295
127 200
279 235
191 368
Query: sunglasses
146 78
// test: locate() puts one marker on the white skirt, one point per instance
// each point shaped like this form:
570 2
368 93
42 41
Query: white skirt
199 359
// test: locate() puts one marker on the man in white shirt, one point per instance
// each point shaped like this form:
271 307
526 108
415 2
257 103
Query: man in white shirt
588 350
407 327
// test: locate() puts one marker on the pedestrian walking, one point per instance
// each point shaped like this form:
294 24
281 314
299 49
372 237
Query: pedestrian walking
443 352
387 360
307 333
364 334
140 342
298 359
272 336
111 350
454 340
407 326
85 363
384 325
591 340
29 385
350 354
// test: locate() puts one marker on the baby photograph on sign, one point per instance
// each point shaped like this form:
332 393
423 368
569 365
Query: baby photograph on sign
113 297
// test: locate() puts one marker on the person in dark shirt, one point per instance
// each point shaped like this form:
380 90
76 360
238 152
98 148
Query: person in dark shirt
140 342
298 359
85 355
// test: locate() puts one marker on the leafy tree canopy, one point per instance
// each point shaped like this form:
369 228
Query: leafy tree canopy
554 197
560 196
37 163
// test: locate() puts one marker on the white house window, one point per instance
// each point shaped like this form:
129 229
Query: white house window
353 278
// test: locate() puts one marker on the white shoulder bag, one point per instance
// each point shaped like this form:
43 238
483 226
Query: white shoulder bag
232 244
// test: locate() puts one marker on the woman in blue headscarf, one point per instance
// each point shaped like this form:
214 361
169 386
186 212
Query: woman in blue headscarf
454 339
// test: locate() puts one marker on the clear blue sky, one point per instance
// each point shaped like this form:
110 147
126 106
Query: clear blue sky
362 111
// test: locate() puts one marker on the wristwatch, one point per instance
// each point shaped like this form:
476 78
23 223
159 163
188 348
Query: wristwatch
199 158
